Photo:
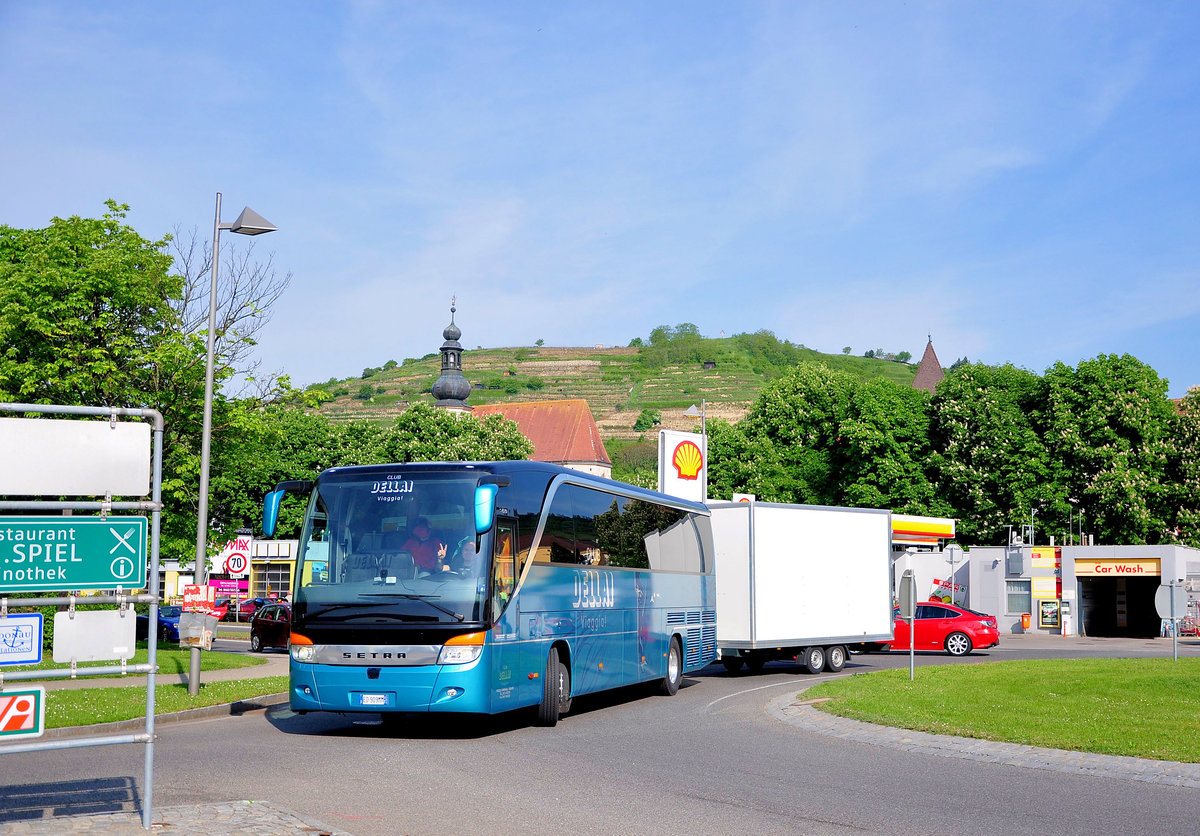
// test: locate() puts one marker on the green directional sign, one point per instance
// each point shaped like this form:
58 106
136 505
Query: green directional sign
39 554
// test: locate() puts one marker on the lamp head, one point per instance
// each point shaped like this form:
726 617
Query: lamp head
251 223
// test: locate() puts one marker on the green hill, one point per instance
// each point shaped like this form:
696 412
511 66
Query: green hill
618 383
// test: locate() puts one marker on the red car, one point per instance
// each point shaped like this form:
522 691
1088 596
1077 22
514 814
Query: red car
271 626
956 630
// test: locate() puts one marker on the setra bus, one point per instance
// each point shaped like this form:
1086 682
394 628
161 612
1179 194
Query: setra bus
490 586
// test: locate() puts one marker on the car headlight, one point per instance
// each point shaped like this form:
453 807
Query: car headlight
304 653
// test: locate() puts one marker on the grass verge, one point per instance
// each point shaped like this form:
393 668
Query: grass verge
170 660
1145 708
87 706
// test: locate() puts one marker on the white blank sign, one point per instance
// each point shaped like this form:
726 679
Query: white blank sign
94 635
51 457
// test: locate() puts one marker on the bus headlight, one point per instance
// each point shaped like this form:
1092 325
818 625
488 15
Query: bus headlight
304 653
462 650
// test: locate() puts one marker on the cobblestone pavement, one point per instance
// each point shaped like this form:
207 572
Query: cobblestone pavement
805 716
234 818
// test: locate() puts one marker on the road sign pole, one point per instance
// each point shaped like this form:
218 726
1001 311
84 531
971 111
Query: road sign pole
1174 627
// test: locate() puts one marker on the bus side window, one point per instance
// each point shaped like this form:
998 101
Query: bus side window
504 566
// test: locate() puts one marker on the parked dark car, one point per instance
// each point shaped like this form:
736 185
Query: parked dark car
956 630
168 624
271 626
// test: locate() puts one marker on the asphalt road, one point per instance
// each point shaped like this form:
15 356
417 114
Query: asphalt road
709 760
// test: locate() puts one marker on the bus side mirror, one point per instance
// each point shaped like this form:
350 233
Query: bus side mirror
271 511
485 507
271 501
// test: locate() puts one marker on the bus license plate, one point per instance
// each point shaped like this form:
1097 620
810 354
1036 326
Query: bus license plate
373 700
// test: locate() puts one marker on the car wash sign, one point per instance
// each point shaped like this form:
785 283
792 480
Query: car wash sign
39 554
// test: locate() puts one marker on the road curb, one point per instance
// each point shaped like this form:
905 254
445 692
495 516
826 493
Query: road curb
234 709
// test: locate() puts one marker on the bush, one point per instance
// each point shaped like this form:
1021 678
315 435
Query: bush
647 419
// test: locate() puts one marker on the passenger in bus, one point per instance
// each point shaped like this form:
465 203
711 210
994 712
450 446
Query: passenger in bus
427 552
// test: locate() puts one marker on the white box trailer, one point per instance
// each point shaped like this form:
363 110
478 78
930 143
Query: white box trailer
800 582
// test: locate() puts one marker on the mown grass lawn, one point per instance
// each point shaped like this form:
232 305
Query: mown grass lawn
87 706
1146 708
171 659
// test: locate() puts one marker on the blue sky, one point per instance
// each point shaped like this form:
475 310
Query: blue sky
1017 179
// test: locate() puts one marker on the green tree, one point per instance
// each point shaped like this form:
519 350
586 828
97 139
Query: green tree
741 463
1184 473
881 456
86 316
1109 424
798 416
991 463
262 446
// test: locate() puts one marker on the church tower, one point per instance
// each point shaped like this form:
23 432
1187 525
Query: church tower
452 389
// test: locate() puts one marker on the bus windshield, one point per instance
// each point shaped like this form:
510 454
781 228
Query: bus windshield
393 549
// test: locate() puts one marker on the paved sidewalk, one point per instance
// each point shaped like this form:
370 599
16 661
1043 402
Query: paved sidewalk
234 818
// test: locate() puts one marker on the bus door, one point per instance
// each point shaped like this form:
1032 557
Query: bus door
505 617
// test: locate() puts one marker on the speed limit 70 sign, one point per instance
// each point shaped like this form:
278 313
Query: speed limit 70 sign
235 557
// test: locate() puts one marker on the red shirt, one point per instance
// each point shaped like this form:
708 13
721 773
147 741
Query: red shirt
424 552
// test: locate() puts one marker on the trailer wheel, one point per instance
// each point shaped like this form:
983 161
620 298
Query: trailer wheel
670 682
835 658
813 659
732 664
556 691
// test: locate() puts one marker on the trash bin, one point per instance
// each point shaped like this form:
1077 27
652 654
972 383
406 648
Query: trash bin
1025 620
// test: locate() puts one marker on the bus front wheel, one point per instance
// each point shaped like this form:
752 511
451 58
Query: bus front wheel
670 682
556 691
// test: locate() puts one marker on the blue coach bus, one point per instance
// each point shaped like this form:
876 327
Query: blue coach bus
486 587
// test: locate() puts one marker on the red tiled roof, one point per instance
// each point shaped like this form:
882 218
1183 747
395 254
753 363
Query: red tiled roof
929 371
561 431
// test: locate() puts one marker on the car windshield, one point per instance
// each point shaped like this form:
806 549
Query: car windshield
170 612
392 549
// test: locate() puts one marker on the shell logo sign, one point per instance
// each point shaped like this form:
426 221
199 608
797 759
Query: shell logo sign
687 460
682 464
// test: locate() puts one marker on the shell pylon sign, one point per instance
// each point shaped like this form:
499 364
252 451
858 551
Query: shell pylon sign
683 465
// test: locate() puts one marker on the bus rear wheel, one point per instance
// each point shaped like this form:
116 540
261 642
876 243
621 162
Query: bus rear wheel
670 682
556 691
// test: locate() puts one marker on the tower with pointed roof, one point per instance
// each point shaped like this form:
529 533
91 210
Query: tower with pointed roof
452 389
929 370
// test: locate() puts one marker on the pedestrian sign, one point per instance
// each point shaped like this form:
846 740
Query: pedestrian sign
22 712
68 553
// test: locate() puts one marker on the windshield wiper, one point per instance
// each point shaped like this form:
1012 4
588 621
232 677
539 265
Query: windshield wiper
333 607
423 598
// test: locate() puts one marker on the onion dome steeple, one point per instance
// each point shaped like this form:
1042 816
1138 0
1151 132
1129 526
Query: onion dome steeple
452 389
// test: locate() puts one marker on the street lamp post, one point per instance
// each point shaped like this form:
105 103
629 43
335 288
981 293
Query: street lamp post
247 223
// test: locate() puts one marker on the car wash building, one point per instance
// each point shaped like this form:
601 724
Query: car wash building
1079 590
